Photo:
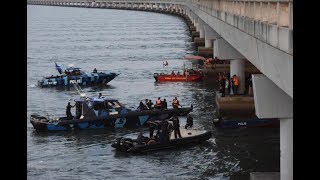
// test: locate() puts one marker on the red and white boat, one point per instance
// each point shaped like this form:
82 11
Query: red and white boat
187 76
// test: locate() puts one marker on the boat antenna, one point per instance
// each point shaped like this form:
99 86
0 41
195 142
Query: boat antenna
80 91
82 95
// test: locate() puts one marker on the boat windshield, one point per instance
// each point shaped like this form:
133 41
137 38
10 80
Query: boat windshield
73 71
102 105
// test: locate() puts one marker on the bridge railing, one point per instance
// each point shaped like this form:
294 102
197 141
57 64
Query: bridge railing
277 12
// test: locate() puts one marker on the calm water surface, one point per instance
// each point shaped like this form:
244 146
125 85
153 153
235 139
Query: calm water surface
135 44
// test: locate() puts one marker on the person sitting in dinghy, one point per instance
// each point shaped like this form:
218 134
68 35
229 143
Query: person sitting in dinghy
142 139
142 106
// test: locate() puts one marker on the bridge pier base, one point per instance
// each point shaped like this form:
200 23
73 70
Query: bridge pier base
198 42
194 34
205 52
273 102
192 28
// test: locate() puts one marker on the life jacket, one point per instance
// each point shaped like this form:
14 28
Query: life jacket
158 102
236 81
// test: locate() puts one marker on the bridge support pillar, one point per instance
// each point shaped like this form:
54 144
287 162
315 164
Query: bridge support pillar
198 41
208 43
237 67
286 148
273 102
194 34
209 35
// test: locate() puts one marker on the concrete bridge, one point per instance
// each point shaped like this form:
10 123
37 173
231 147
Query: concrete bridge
260 31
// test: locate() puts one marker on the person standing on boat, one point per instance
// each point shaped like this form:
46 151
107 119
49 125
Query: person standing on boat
175 103
176 126
149 104
152 127
189 122
68 110
165 130
158 103
164 104
141 106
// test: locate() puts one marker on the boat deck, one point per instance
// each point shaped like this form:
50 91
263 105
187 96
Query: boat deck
188 132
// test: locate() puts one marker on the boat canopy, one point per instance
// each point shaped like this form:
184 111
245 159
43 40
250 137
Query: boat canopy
195 58
101 103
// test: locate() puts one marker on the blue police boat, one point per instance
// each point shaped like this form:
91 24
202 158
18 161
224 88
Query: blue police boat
71 75
248 122
102 113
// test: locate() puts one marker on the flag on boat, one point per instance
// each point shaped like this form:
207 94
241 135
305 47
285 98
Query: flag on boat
59 68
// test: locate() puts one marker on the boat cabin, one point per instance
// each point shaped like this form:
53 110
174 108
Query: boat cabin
71 71
99 107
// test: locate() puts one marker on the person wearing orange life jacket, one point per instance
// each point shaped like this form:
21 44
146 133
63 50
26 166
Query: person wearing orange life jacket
158 103
235 84
175 103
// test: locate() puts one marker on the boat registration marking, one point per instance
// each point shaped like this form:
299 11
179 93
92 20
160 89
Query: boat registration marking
75 81
242 123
